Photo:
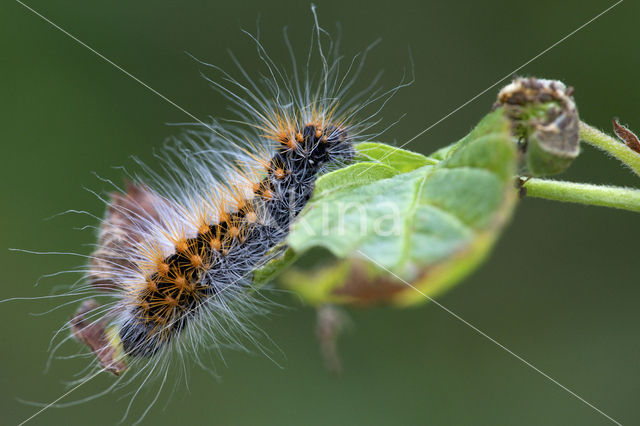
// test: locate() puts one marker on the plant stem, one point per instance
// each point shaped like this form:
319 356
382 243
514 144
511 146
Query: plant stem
609 144
584 193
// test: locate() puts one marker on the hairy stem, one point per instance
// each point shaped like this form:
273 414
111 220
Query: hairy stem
609 144
584 193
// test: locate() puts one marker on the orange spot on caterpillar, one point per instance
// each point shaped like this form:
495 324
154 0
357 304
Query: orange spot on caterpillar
279 173
286 140
181 245
299 137
196 261
234 231
203 228
318 132
170 301
263 187
181 282
151 285
267 194
215 244
163 268
251 217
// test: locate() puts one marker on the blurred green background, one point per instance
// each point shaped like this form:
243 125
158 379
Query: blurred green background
561 288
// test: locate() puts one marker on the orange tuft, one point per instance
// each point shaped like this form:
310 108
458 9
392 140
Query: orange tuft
279 173
203 228
251 217
196 261
292 145
266 164
181 282
151 285
163 268
181 245
234 231
215 244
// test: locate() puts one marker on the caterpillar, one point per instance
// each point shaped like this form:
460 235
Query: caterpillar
178 247
169 260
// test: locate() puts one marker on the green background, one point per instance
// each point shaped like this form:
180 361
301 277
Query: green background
561 288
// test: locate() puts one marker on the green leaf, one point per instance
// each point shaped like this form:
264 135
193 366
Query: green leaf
401 160
318 287
353 175
430 221
273 268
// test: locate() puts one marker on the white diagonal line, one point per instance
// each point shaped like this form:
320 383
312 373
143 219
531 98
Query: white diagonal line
112 63
492 340
52 403
407 142
498 82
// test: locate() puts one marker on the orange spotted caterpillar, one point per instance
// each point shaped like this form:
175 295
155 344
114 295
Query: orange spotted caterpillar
177 250
170 260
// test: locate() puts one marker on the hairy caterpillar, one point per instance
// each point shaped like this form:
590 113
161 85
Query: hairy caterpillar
177 249
169 259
